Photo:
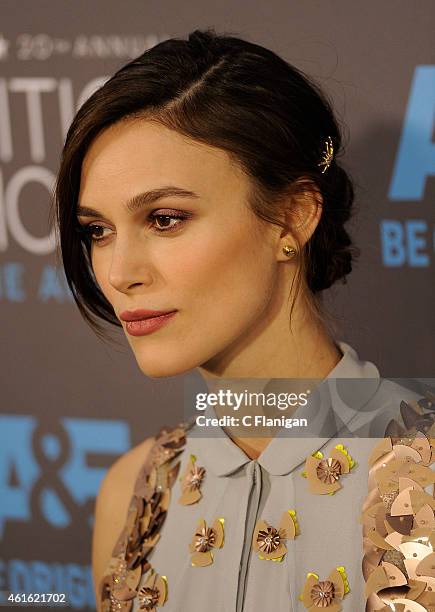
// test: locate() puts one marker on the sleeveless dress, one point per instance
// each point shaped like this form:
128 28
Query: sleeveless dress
344 521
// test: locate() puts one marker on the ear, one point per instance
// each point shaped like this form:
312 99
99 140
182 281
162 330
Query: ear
301 216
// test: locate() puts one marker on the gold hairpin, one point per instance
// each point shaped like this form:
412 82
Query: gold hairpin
327 155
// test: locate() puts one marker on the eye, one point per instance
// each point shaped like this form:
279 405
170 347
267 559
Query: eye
89 231
168 221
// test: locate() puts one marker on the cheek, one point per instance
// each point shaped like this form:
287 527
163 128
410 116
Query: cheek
228 276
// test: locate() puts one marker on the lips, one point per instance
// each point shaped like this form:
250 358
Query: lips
140 314
148 325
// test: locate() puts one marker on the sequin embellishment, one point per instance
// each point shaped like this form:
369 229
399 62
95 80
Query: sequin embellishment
398 516
145 517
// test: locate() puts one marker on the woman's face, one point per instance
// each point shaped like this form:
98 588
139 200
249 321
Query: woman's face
207 257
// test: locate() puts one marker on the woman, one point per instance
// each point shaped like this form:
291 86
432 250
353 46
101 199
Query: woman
201 206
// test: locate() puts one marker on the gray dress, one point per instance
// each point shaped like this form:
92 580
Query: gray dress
255 509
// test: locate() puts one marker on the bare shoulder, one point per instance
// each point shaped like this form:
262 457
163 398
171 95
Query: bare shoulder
112 504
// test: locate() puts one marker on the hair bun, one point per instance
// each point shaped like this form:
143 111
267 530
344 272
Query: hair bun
331 248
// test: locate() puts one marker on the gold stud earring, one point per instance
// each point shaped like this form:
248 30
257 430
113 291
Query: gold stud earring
289 251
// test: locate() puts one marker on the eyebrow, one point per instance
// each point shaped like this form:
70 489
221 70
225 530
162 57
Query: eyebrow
142 200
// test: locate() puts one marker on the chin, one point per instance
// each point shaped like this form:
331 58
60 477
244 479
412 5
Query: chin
174 356
159 367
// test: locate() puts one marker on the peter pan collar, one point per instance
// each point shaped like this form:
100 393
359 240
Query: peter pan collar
330 410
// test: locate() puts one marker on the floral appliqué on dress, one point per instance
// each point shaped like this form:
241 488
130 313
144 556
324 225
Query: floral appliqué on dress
191 482
324 475
325 593
153 593
269 542
204 539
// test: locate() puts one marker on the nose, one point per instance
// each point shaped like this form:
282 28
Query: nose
129 266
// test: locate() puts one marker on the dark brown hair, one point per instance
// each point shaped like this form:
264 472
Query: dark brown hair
235 95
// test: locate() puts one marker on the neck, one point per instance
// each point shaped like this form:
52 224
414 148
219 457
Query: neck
272 352
271 349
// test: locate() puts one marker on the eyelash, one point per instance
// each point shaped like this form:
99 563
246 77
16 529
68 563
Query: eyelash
88 229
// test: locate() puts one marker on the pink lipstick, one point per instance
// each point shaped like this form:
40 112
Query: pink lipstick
141 322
